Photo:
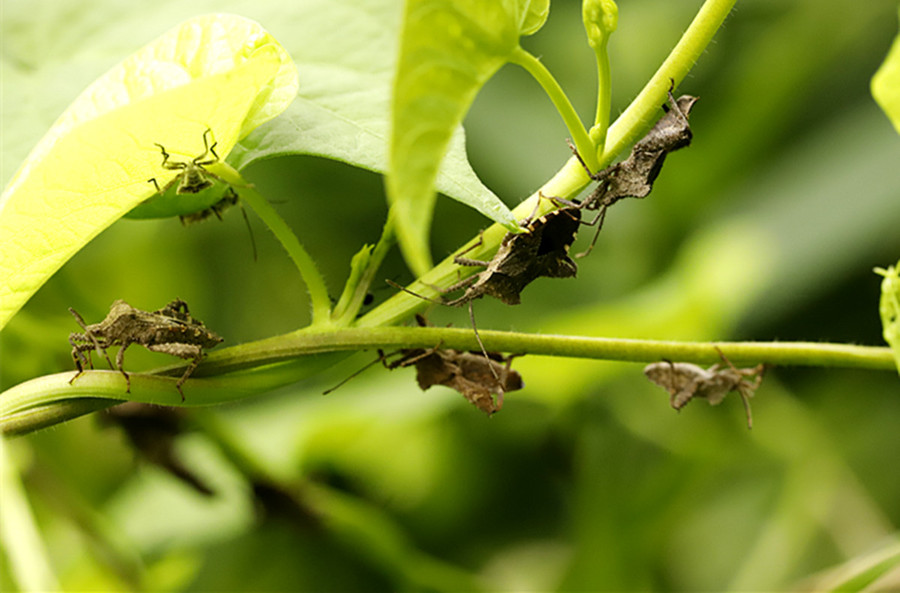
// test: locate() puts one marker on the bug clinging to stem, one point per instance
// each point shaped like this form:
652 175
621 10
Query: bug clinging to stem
170 330
634 177
478 376
542 250
686 381
193 177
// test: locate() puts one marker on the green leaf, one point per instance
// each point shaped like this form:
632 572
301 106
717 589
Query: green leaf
889 308
886 84
448 51
218 72
343 108
342 111
170 203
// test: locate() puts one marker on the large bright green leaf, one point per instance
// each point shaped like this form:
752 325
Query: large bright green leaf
886 84
343 107
448 51
345 50
219 72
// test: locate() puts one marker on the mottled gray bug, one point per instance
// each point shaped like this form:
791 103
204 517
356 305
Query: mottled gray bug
634 177
685 381
170 330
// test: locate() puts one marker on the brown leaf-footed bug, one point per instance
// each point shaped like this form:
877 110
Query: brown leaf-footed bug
477 376
170 330
634 177
685 381
542 250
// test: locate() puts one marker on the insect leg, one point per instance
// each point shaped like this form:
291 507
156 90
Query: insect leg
411 360
165 162
178 306
745 393
580 160
381 358
249 229
187 373
673 104
598 220
480 343
415 294
208 148
78 357
562 202
120 361
474 245
101 351
471 263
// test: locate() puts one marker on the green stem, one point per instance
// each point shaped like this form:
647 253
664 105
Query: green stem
580 137
600 18
305 352
315 284
637 119
604 91
571 178
298 344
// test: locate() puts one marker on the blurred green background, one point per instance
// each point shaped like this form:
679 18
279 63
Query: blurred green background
766 228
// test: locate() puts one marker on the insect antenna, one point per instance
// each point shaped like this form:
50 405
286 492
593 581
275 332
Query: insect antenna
381 357
90 335
450 304
415 294
480 343
250 231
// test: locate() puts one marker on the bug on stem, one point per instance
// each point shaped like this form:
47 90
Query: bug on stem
170 330
685 381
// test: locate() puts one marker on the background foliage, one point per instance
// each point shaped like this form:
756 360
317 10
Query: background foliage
766 228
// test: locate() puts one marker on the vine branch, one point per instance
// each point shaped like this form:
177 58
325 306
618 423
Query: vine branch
253 368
